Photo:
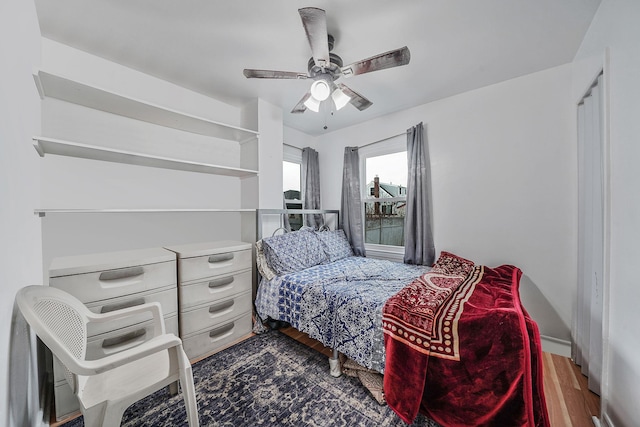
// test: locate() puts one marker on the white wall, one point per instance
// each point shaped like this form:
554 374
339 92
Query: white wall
92 70
271 136
20 258
615 27
73 183
503 177
298 139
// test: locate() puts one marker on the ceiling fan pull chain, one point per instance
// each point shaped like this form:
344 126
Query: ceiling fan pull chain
325 107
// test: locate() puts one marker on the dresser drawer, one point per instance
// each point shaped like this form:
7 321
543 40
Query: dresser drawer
101 285
216 337
200 267
214 314
167 297
122 339
112 342
213 289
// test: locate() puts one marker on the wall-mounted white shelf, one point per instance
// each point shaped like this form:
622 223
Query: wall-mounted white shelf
43 212
54 86
59 147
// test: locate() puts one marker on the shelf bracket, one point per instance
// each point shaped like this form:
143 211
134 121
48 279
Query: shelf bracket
39 86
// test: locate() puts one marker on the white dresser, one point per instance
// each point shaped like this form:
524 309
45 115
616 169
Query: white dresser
214 294
110 281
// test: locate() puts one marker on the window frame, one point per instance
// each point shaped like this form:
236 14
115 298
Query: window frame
292 154
393 145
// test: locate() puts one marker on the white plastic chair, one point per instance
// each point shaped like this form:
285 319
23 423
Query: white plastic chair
107 386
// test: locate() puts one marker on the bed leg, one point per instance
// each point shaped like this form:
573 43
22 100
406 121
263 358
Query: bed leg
334 365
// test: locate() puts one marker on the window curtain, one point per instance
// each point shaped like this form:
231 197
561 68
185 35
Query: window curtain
587 347
351 204
418 235
311 186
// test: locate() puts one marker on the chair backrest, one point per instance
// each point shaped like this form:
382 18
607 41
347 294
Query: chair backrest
58 319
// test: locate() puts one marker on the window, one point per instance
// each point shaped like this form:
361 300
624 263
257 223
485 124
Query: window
291 183
384 182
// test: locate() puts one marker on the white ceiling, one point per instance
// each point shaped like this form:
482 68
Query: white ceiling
204 45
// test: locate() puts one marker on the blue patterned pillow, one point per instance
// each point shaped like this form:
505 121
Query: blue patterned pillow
335 244
295 251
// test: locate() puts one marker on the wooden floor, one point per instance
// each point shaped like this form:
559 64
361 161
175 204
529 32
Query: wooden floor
569 402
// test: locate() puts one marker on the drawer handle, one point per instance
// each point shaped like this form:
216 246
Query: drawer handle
220 258
214 333
121 305
123 339
122 273
221 306
221 282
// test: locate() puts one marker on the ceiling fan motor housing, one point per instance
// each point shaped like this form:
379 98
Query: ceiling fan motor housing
335 64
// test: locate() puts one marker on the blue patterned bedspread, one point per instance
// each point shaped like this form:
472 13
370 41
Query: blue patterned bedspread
339 303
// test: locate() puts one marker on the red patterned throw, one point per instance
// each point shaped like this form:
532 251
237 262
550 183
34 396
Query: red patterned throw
461 349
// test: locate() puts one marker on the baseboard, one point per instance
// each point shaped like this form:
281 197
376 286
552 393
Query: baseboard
556 346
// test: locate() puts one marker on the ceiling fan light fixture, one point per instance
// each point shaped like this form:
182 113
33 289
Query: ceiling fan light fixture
325 66
340 99
312 104
320 90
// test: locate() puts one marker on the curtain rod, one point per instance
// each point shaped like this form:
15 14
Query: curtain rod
292 146
383 139
360 146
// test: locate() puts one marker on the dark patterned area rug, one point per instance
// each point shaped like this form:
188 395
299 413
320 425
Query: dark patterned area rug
267 380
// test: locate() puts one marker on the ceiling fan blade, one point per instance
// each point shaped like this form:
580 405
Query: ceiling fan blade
357 100
314 21
270 74
300 107
393 58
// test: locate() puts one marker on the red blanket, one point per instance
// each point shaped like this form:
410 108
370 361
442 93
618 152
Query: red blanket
462 350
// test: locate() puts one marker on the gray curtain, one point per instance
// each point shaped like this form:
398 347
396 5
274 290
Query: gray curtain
418 235
311 186
351 204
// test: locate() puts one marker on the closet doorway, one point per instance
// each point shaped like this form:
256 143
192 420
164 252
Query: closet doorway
587 347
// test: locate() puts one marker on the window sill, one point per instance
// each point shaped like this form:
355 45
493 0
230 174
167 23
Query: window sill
391 253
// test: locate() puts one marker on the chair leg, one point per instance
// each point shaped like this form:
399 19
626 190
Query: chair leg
105 414
173 388
94 416
189 395
113 414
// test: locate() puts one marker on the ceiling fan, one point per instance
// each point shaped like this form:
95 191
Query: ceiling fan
326 67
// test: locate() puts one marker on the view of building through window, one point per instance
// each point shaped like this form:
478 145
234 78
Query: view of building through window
385 198
291 179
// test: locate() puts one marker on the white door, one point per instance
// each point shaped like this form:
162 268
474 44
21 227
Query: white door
587 346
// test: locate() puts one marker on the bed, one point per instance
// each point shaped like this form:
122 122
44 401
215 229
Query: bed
453 340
